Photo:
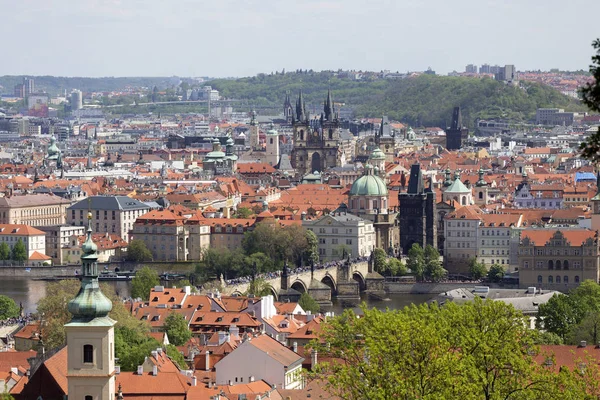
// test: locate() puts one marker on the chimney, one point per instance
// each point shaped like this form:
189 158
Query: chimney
117 369
252 378
159 350
207 361
313 358
234 330
194 381
154 370
583 343
140 370
155 354
295 347
222 337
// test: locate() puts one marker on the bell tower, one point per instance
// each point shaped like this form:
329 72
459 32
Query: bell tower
301 129
90 333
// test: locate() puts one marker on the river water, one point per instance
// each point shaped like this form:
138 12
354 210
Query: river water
28 292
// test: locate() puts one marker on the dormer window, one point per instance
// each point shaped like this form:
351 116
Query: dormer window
172 299
155 299
219 319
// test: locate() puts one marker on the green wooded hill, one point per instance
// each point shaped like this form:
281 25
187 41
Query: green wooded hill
420 101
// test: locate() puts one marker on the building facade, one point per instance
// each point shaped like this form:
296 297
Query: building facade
33 210
112 214
558 260
316 148
340 233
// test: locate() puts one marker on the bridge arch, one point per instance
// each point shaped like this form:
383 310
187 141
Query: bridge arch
273 292
299 286
329 281
358 277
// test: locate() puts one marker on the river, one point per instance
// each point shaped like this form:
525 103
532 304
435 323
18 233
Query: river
28 292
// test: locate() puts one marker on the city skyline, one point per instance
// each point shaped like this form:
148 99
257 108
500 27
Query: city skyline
231 39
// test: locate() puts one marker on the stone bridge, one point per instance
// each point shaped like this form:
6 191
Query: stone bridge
344 281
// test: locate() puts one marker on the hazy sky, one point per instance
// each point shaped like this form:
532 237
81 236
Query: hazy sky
246 37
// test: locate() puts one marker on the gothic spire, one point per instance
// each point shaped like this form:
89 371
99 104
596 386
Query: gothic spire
329 107
301 108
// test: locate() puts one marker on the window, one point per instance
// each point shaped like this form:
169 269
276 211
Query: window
576 278
566 264
550 264
539 279
525 264
88 397
566 279
557 278
88 353
550 279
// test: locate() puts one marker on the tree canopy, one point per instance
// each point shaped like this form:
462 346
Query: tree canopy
591 97
477 269
8 308
138 252
19 252
177 329
416 261
496 273
575 316
308 303
144 280
4 251
479 350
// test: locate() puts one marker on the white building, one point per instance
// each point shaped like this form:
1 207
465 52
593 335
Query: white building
341 231
259 358
460 228
33 239
496 234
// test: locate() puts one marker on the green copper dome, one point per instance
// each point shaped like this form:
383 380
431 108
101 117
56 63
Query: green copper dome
368 185
53 149
377 154
90 303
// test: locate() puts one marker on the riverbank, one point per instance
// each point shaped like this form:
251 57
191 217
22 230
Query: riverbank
436 288
38 272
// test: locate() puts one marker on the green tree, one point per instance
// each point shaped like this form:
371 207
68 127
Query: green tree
5 395
177 329
590 95
416 261
558 315
379 260
311 254
19 252
176 356
433 266
132 347
4 251
144 280
477 269
8 308
574 316
396 267
261 261
138 252
496 273
479 350
308 303
259 287
243 212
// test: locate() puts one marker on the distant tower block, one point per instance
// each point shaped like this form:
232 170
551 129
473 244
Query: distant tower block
456 134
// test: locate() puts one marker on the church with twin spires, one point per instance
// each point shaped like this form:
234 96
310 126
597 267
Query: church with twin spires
316 141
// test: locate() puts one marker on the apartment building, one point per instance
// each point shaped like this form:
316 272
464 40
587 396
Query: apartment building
33 239
58 237
496 234
33 210
110 214
164 233
558 259
339 232
461 228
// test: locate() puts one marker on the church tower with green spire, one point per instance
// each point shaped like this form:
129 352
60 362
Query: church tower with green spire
90 333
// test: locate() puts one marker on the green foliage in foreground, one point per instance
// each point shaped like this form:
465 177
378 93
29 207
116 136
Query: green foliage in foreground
144 280
479 350
575 316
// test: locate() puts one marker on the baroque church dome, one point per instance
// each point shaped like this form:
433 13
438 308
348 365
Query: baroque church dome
369 185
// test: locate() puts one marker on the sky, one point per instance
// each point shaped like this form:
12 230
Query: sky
227 38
